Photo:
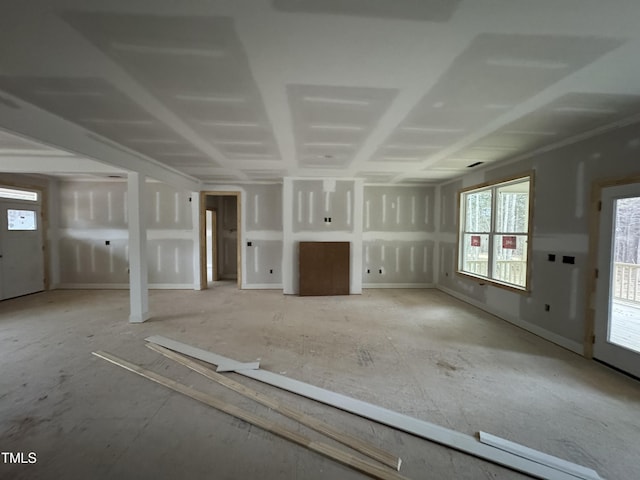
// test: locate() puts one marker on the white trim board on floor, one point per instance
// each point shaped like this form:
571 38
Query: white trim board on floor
235 367
558 463
450 438
575 347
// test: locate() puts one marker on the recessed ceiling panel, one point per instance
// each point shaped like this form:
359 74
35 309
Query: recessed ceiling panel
331 122
101 108
422 10
196 66
564 117
493 75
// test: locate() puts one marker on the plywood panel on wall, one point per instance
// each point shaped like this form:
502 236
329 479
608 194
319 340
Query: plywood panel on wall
324 268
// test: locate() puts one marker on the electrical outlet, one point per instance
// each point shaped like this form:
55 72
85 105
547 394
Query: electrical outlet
552 257
568 259
368 270
107 242
271 271
249 244
547 307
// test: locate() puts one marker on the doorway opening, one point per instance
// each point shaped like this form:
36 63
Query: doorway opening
220 252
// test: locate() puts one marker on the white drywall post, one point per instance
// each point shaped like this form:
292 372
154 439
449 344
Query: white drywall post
356 245
138 281
53 212
195 225
288 245
436 245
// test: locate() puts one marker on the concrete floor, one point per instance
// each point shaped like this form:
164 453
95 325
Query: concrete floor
419 352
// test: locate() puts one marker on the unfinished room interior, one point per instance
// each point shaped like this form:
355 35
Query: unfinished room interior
304 239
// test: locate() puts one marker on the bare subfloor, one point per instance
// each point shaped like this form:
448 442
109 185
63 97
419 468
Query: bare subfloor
419 352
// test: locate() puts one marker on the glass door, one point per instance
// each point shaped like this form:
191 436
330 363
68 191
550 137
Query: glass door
617 324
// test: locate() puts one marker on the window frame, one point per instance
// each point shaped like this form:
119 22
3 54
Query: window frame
493 186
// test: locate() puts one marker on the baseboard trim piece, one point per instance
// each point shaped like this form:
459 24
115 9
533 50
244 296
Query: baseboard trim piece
421 428
198 353
558 463
357 444
324 449
233 368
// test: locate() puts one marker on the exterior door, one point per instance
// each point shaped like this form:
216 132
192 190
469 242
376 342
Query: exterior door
21 249
617 321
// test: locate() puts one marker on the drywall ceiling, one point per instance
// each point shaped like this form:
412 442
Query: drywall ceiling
20 155
254 90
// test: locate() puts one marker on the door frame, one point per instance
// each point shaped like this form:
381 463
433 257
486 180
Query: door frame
592 264
203 234
214 244
44 222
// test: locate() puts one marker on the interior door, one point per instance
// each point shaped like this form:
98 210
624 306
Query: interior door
617 323
21 249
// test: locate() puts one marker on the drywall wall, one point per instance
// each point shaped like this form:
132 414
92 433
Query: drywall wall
398 236
563 179
263 247
321 210
93 235
260 231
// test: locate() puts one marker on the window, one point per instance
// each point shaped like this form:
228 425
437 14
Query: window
21 220
16 194
494 232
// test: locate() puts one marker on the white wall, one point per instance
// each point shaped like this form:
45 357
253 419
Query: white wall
306 204
263 223
563 179
275 218
399 236
93 235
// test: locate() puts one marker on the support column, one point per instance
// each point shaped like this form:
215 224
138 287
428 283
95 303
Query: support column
138 279
197 242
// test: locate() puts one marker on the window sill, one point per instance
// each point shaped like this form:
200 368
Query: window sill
494 283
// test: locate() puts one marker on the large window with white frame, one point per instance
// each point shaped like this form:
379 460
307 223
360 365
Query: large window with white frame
494 232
